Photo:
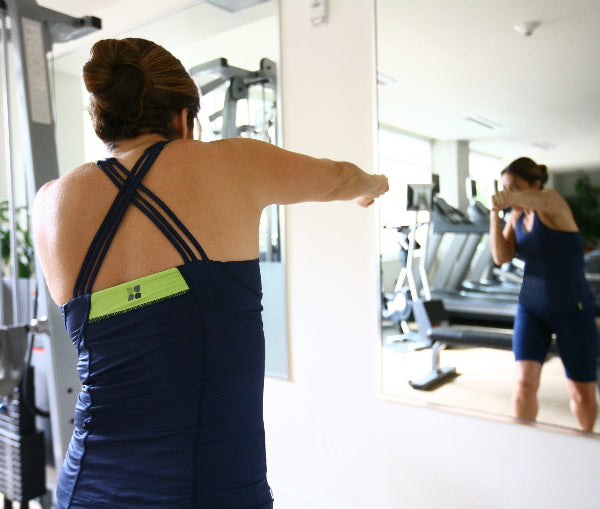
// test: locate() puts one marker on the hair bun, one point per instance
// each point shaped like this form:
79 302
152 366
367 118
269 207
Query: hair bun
117 79
543 169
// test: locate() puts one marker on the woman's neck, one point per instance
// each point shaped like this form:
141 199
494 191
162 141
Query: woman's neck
127 146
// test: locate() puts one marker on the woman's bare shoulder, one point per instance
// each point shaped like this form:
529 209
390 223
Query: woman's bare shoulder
230 156
552 194
557 214
72 177
234 146
65 191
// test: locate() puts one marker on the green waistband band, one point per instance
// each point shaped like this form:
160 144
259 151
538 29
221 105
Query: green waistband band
139 292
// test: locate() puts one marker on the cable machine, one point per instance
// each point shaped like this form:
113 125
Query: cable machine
34 347
241 103
222 87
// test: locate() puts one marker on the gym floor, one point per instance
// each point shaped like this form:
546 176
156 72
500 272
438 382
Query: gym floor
484 383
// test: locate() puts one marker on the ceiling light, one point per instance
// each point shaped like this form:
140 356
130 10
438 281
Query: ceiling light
527 28
487 122
235 5
544 145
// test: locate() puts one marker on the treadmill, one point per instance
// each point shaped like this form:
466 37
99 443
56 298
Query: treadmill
454 243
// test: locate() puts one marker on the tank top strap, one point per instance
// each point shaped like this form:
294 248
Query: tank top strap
166 221
131 190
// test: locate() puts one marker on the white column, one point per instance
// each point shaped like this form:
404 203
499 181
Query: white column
450 160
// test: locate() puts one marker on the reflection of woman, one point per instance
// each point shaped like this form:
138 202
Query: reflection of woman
168 331
555 297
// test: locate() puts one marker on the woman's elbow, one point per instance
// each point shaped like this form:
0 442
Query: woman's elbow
501 258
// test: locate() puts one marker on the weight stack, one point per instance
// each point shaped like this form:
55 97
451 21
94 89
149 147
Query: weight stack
22 450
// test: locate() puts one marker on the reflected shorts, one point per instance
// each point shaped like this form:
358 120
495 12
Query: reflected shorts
577 338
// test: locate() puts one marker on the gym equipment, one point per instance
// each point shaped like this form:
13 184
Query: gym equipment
442 334
483 275
455 240
228 85
240 103
235 85
399 306
432 319
32 334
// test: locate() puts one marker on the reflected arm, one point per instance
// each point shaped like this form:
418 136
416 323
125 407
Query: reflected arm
545 200
503 241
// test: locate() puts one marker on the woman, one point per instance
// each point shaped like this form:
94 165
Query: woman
555 298
153 256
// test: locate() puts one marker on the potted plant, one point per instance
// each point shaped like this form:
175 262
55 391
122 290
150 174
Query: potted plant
24 245
585 205
25 264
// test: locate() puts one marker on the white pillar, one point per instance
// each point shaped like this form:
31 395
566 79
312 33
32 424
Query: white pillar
450 160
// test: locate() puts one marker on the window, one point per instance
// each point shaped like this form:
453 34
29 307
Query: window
405 159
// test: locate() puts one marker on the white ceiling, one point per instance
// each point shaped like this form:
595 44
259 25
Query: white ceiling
462 58
452 59
195 31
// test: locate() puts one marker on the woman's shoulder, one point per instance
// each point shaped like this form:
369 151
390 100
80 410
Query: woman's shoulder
233 146
552 194
230 156
557 214
69 191
76 177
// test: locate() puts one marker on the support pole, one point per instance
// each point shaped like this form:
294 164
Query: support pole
33 30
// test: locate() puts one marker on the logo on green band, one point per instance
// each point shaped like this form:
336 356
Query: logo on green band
134 293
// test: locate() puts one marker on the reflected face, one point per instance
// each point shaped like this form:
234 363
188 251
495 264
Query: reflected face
516 183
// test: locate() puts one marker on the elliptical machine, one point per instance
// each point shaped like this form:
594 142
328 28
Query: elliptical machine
407 299
415 299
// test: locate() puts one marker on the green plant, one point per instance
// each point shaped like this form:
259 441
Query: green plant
586 210
24 245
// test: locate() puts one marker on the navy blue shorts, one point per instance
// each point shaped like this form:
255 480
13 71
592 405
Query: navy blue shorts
576 334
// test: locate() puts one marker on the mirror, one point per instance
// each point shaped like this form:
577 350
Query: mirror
245 35
463 89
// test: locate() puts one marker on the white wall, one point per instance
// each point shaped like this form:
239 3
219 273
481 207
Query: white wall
70 115
332 441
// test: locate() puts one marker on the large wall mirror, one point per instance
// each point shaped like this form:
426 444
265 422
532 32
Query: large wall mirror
464 88
216 41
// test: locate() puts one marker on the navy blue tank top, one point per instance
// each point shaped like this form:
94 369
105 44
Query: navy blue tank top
554 279
172 372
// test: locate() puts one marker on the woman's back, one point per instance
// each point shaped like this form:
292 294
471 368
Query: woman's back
193 179
172 367
156 268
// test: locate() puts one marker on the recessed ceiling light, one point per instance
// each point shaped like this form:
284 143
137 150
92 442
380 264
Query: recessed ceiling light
487 122
544 145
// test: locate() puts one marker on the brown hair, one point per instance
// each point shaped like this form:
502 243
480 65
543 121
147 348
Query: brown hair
527 169
136 87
